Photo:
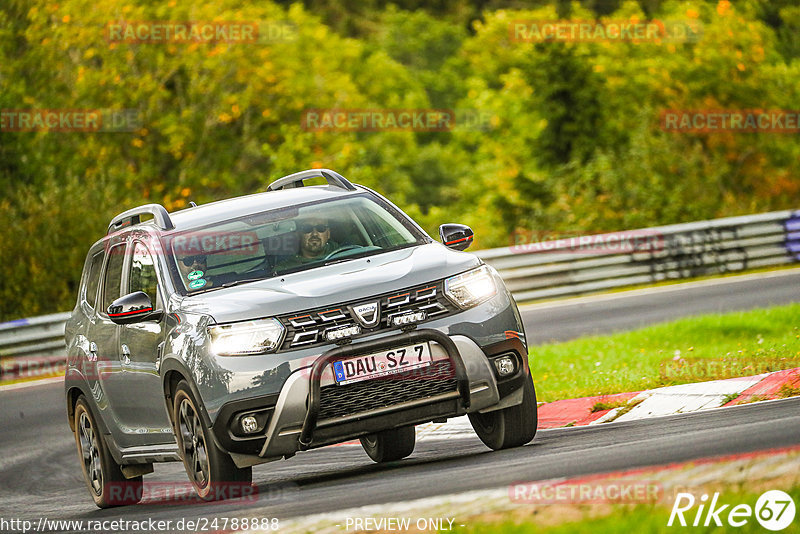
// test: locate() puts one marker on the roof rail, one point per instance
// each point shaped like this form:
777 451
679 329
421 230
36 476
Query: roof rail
133 216
296 180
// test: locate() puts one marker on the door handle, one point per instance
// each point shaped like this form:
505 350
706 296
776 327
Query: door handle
126 354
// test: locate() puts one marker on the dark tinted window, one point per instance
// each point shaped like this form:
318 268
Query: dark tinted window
143 273
113 278
93 281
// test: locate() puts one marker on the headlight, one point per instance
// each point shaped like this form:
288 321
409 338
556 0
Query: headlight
250 337
471 288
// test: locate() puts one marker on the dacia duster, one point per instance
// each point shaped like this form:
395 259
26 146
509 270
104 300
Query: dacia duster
243 331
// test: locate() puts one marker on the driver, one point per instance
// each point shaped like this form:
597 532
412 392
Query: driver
314 236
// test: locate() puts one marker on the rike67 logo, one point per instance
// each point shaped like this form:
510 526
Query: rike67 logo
774 510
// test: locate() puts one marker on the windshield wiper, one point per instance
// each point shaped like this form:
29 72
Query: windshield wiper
235 283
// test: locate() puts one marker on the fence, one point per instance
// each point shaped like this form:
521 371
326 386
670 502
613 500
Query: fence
565 267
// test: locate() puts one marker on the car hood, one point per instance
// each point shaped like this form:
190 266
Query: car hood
331 285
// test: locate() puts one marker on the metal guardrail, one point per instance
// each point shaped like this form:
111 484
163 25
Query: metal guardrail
587 264
32 347
535 270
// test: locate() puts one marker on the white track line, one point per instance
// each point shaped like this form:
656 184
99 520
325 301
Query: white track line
33 383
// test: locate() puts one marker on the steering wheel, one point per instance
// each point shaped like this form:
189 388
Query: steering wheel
339 250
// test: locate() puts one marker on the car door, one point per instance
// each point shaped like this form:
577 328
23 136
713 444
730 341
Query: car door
106 377
140 348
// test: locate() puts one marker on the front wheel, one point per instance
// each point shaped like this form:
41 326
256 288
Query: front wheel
390 445
508 427
107 485
209 468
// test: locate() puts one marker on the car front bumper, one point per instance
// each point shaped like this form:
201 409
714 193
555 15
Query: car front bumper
297 418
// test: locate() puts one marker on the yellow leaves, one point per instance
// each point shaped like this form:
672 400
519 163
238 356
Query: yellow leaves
185 192
740 66
65 19
224 117
723 7
266 113
316 164
599 68
692 13
138 143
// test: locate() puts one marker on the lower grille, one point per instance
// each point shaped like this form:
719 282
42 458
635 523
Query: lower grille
339 401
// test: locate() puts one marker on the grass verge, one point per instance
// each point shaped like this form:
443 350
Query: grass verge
596 519
694 349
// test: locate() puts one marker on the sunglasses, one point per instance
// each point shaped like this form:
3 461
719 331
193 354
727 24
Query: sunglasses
190 260
308 228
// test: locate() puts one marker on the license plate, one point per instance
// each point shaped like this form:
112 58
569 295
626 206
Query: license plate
381 364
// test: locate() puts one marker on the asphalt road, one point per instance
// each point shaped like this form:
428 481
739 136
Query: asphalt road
40 474
563 320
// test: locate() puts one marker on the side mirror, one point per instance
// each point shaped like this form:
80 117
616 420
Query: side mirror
456 236
132 308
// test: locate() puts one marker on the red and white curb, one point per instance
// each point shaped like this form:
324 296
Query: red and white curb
683 398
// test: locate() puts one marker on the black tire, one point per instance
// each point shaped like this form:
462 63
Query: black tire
209 469
509 427
390 445
104 479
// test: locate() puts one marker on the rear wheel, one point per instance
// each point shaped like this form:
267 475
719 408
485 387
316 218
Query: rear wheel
107 485
390 445
209 469
509 427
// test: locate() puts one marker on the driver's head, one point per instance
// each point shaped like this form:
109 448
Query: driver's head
314 234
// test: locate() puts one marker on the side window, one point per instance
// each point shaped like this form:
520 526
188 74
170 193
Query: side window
93 281
143 273
112 281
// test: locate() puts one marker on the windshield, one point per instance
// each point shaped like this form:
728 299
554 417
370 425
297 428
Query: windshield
287 240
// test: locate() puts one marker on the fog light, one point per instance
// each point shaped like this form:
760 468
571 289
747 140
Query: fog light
505 365
408 318
335 334
249 424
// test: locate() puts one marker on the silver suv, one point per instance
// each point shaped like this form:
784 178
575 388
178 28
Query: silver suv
246 330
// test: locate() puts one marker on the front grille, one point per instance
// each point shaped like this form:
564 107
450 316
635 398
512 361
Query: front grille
308 328
339 401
